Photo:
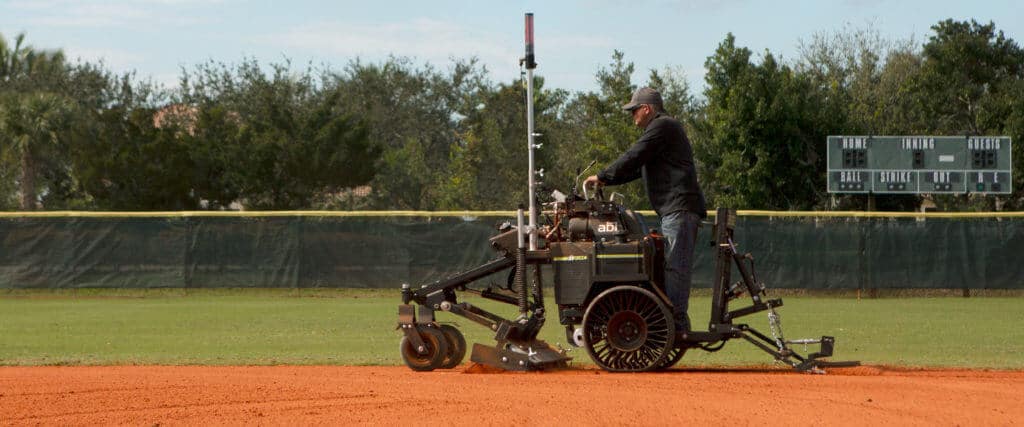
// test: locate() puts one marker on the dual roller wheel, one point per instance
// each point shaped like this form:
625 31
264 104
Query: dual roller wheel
456 347
445 347
629 329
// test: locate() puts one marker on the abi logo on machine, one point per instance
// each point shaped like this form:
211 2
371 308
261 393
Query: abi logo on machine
608 227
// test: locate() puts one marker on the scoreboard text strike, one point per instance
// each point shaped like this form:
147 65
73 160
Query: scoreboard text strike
919 164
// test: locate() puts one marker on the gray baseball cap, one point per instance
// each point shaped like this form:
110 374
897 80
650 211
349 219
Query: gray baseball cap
644 95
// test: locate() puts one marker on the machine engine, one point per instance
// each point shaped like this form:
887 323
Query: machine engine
602 245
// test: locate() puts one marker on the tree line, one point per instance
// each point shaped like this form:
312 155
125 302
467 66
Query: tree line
397 135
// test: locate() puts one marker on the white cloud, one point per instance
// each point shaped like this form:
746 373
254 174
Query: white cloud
91 16
856 4
113 58
115 13
430 40
35 4
668 5
569 42
424 39
179 2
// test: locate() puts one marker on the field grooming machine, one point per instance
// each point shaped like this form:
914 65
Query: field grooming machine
608 273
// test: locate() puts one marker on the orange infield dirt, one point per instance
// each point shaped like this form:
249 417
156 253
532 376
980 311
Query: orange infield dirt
470 395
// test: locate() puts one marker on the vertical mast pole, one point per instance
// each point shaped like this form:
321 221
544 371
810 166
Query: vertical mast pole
530 65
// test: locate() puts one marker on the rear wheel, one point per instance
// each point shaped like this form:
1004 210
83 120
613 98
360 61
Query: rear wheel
435 350
628 329
673 357
456 347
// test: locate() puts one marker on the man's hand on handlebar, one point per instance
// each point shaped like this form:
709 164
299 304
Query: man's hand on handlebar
596 183
592 181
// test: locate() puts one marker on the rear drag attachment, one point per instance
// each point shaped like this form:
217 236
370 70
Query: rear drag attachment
782 351
520 356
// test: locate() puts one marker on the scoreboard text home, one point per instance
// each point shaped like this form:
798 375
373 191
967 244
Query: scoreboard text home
919 164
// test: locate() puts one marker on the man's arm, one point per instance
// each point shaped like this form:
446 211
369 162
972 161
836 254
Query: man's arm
629 165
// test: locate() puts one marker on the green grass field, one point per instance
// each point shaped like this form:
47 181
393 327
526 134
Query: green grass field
357 327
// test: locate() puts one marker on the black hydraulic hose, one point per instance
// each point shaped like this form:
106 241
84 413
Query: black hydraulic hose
538 287
711 348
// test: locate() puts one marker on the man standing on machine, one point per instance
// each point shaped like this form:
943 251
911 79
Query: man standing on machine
663 156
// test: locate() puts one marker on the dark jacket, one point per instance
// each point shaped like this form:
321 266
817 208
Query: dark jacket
664 157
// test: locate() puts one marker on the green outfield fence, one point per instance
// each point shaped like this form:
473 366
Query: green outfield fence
310 249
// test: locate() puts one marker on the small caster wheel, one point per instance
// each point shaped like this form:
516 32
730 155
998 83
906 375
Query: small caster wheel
435 351
456 347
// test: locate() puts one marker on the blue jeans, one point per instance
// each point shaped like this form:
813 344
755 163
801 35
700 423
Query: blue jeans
680 230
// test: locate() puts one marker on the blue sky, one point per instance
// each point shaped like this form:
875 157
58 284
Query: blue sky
157 38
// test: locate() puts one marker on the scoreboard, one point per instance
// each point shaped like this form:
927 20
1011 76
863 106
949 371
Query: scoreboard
919 164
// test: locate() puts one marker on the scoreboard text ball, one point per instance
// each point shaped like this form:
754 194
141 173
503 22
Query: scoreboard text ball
919 164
